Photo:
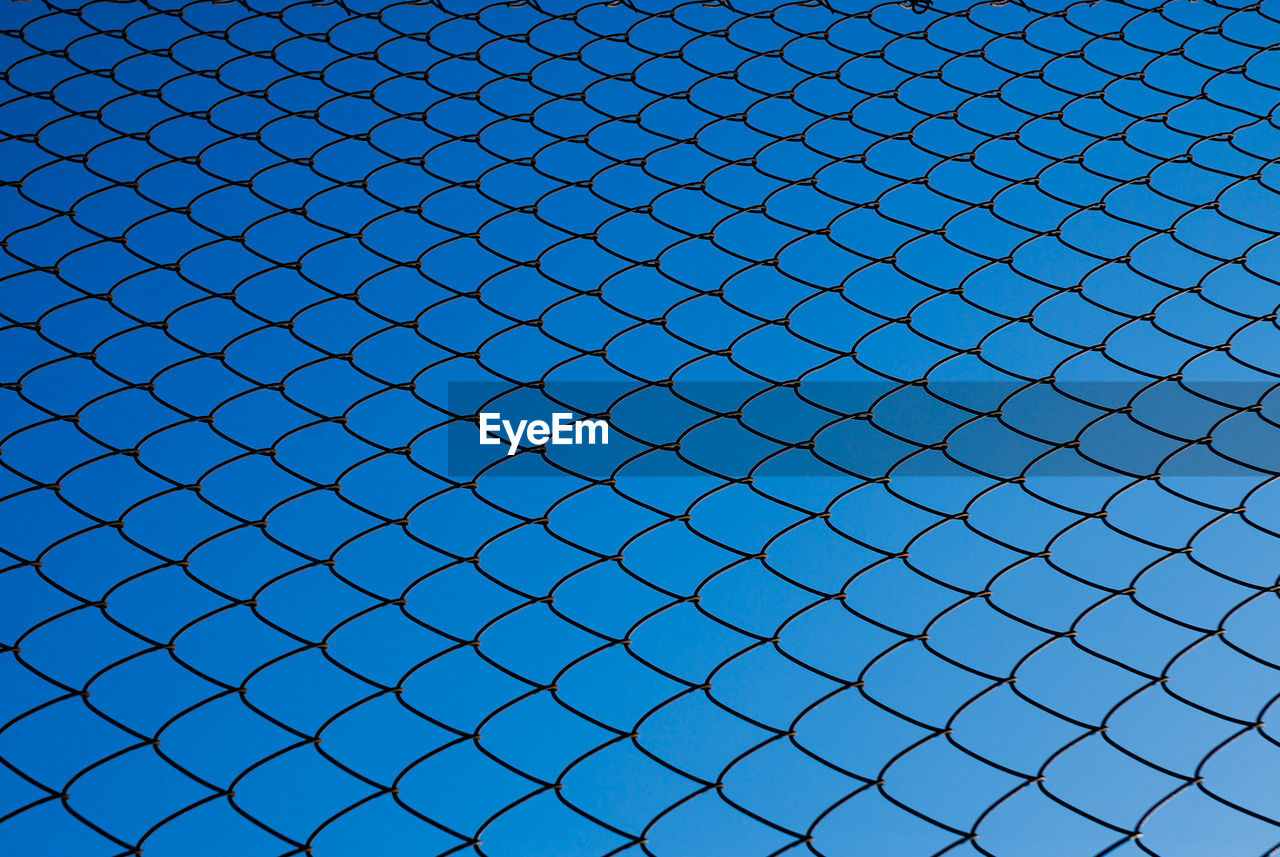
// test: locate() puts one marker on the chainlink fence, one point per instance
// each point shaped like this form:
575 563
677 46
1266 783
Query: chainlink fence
934 344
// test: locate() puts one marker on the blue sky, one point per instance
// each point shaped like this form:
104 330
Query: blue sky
261 262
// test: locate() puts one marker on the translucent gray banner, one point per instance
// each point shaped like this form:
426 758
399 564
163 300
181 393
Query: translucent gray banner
738 430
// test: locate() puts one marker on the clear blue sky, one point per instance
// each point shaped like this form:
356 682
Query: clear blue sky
260 596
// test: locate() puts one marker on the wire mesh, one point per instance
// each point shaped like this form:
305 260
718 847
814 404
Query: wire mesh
935 339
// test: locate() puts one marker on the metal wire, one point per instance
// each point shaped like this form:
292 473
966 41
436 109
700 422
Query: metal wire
218 213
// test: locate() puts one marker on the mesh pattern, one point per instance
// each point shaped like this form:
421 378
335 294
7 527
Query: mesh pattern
252 605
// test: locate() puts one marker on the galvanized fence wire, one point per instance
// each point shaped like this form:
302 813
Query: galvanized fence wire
247 247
